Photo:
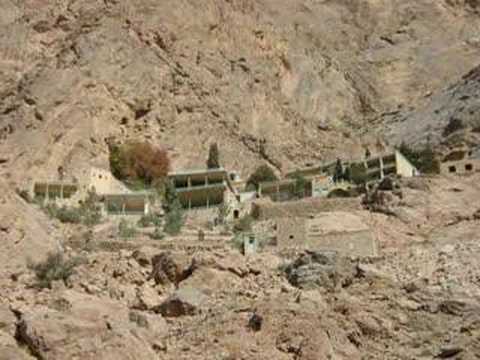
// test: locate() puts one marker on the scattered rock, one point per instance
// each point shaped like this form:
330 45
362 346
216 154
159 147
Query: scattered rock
184 302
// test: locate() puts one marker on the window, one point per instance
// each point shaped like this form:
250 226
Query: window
469 167
236 214
291 237
452 169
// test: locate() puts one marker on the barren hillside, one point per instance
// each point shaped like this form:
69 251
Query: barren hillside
283 81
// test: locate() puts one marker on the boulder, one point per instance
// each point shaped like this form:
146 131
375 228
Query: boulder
168 269
141 258
184 302
82 326
324 269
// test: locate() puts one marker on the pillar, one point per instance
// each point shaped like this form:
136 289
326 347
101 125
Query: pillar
189 182
61 191
208 202
47 195
190 202
382 174
206 180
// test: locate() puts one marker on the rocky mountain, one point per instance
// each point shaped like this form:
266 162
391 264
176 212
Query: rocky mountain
283 82
459 103
286 82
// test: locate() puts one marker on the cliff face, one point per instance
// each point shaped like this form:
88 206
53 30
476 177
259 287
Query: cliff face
287 82
458 103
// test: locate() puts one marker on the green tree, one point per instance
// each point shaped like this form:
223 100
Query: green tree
213 161
262 174
424 159
338 173
174 218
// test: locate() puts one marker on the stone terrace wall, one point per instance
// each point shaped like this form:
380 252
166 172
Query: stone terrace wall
266 209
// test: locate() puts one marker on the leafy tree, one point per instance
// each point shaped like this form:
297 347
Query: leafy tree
139 161
174 218
424 159
262 174
213 161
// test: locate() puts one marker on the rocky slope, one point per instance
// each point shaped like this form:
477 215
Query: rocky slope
459 102
285 82
182 299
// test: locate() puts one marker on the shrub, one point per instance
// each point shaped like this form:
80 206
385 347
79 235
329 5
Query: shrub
300 185
54 268
157 234
139 162
453 125
262 174
213 161
244 224
126 230
88 213
64 214
150 220
237 242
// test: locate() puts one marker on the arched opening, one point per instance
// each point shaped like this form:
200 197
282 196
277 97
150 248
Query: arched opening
236 214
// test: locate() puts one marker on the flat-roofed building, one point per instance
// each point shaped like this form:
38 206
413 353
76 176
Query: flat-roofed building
283 190
200 188
461 161
137 203
52 191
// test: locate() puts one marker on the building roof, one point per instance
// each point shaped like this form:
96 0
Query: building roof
196 172
201 188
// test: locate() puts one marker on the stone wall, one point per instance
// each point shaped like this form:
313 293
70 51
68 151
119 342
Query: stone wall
338 231
265 209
